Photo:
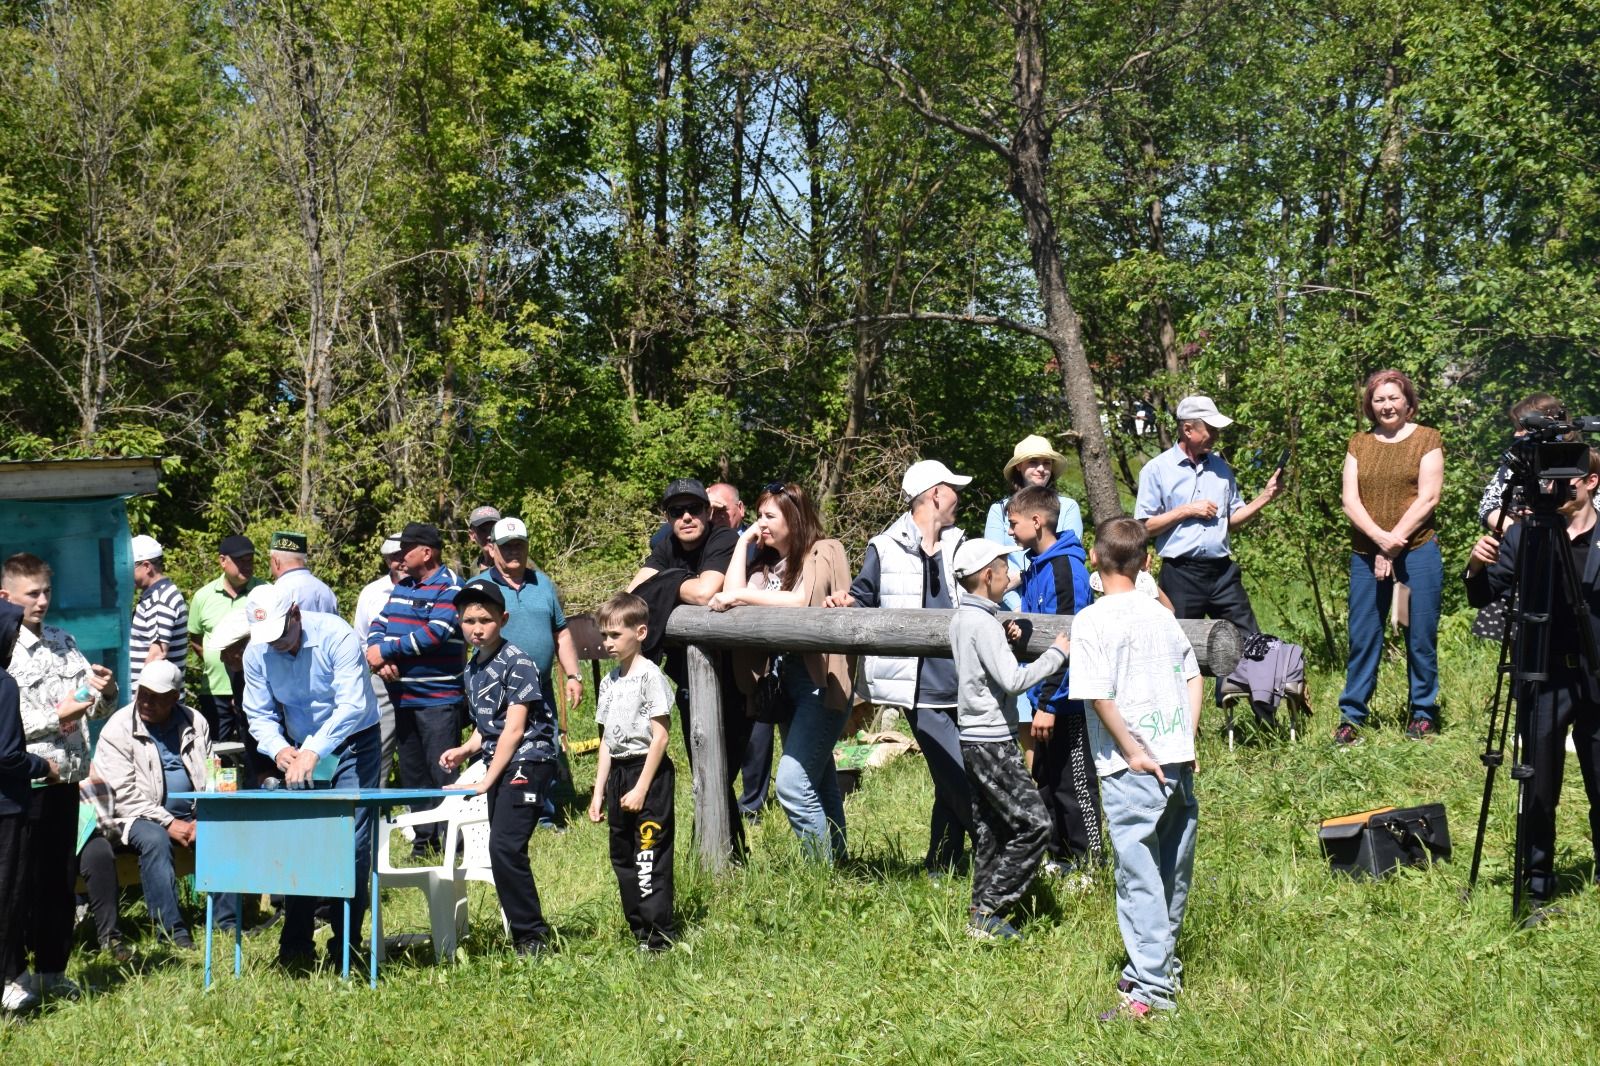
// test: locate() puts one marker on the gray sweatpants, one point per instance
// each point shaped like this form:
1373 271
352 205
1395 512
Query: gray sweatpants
1010 826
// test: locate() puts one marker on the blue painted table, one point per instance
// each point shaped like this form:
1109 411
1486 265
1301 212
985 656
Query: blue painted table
294 843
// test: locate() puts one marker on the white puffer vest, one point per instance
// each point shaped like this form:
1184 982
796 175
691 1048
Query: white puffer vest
892 681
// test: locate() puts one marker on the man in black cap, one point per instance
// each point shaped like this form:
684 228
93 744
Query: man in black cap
415 645
236 556
695 555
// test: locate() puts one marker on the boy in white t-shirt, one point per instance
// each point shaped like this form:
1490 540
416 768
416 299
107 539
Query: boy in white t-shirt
1131 660
634 782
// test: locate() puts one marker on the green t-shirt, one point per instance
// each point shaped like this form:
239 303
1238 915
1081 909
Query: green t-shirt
206 611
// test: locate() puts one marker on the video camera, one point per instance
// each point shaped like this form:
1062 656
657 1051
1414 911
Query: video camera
1548 455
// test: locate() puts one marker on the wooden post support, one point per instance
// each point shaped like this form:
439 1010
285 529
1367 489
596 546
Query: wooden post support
711 814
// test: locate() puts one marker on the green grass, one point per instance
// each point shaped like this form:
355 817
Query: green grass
783 962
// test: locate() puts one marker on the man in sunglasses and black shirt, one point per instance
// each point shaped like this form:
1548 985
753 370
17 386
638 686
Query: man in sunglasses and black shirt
696 553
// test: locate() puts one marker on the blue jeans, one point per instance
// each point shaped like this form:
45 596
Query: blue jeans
1152 829
359 766
808 783
1422 571
153 845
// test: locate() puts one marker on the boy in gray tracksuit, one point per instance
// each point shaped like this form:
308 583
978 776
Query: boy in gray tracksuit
1010 821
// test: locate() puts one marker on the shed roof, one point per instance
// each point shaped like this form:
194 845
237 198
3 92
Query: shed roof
75 479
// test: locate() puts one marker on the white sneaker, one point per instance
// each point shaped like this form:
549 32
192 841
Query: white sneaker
17 998
54 984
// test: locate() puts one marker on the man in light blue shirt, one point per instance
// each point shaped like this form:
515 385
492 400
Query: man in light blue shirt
1189 502
290 573
307 697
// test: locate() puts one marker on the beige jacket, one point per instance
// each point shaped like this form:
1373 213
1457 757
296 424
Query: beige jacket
126 759
827 570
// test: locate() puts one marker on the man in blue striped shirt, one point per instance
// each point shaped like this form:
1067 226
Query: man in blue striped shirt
415 645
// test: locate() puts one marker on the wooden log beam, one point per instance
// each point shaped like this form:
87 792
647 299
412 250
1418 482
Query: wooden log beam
712 819
922 632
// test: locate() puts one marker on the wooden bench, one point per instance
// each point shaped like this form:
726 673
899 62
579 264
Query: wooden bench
128 866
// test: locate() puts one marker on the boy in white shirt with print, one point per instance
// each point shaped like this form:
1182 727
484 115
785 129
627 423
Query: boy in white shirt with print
1131 660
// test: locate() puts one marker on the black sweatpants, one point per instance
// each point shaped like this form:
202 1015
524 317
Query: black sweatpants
50 838
951 820
1011 827
13 890
1561 706
1063 768
516 802
641 850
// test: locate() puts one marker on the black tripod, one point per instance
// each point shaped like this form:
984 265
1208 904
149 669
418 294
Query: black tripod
1547 581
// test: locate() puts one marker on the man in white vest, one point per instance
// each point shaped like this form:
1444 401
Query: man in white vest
909 565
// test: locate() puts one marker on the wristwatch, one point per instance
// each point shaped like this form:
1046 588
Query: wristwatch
575 677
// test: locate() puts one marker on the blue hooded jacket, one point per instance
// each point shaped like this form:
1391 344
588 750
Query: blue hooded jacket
1056 582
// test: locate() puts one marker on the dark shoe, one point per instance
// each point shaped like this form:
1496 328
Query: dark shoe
1421 729
549 825
1345 734
297 963
1542 911
532 949
181 940
991 927
118 950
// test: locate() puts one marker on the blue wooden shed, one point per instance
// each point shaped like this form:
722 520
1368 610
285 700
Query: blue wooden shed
73 514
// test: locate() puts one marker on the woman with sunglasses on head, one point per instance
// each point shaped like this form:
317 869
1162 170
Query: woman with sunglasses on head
793 565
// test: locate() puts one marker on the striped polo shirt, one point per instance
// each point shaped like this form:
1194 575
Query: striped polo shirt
418 631
161 616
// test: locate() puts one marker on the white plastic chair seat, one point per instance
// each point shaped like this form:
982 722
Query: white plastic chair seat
442 885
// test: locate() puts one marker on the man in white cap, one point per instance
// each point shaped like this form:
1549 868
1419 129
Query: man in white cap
150 749
307 696
161 617
374 597
1189 502
909 565
536 623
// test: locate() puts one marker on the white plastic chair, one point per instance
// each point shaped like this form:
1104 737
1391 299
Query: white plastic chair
443 885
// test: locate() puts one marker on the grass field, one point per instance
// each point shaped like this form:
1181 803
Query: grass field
784 962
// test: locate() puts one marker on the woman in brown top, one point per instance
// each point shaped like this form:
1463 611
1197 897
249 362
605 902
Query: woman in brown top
796 566
1392 478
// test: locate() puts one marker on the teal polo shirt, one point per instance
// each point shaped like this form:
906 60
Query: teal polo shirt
535 617
207 609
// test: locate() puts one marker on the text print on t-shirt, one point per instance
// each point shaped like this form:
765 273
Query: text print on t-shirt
1158 724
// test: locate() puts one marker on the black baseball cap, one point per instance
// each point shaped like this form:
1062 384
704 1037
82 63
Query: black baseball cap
420 533
685 488
485 592
235 546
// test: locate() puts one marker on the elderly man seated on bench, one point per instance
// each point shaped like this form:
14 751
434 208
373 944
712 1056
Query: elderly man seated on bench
150 749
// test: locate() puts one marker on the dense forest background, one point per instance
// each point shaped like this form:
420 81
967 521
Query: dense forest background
345 265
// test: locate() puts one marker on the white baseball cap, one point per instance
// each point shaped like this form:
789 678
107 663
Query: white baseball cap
1201 408
267 610
924 475
233 628
146 548
391 545
973 555
161 676
508 529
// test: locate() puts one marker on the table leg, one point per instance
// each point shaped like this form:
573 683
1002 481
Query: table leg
344 963
372 901
208 940
238 933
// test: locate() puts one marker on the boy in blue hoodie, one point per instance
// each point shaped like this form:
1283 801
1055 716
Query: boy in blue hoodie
1056 581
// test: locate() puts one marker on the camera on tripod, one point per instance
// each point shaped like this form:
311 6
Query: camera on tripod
1545 459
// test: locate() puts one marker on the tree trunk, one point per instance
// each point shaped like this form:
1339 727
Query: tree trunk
1029 185
712 819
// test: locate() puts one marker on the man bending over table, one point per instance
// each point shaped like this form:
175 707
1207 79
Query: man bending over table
307 697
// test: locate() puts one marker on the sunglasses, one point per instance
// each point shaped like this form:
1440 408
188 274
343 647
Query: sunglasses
676 511
773 488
